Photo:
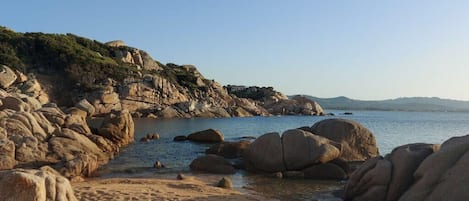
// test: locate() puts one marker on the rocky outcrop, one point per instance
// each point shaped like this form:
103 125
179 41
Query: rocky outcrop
212 164
298 105
38 185
275 102
209 135
390 178
32 134
358 143
114 76
119 128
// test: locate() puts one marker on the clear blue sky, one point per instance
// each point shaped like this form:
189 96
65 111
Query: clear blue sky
363 49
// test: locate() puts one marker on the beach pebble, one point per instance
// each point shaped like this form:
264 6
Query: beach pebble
155 136
181 176
158 165
225 182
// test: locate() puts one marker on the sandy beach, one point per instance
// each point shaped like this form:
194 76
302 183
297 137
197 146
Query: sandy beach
156 189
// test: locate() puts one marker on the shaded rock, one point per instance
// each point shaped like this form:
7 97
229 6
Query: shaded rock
228 149
33 103
168 112
118 127
81 165
405 160
180 138
7 76
212 164
442 175
326 171
302 149
358 143
225 182
265 154
278 175
14 103
110 98
7 154
209 135
20 77
293 174
370 181
241 112
86 106
37 185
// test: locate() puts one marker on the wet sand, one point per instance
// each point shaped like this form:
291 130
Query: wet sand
156 189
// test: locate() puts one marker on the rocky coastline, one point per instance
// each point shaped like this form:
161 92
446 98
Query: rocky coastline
45 147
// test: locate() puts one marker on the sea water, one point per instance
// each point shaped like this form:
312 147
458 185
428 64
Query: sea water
390 128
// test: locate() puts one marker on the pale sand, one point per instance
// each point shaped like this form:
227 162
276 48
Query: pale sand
191 188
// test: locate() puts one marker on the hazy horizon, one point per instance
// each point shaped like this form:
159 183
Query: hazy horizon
363 50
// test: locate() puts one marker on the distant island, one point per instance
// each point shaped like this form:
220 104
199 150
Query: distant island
432 104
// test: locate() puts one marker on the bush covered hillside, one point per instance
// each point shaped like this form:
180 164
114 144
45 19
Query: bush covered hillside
81 60
102 77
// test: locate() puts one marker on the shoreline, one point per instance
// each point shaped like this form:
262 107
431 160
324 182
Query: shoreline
190 188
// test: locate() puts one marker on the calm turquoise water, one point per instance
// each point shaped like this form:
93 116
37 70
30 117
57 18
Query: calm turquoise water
390 128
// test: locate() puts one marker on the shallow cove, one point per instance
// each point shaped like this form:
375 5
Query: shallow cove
391 129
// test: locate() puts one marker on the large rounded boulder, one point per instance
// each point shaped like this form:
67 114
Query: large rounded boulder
209 135
442 175
37 185
405 160
118 127
265 154
213 164
302 149
358 143
228 149
370 181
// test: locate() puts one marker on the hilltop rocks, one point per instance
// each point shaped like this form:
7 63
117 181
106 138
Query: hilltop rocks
38 185
212 164
7 76
209 135
358 143
115 43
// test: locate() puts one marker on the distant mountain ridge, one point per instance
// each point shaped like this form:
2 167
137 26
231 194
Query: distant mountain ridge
433 104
